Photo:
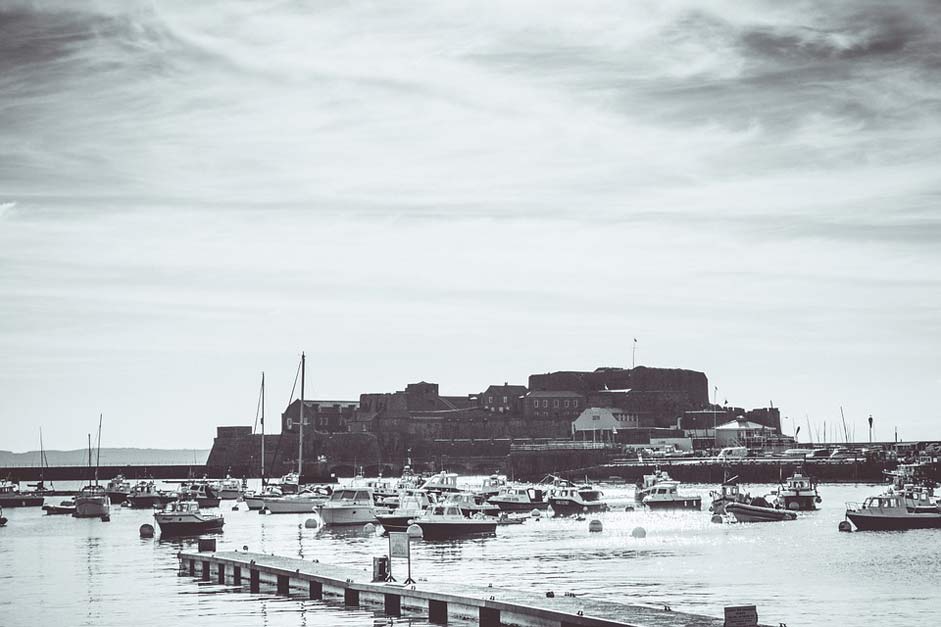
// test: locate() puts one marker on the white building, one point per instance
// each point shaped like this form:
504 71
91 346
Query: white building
601 424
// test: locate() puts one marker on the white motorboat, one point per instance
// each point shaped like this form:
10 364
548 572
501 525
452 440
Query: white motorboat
412 504
664 495
348 506
228 489
571 501
441 483
303 502
799 493
520 499
471 504
492 485
256 500
645 485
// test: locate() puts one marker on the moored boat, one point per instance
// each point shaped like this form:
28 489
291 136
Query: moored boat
665 495
441 483
912 508
729 492
303 502
228 489
145 494
11 496
183 518
348 506
92 502
200 491
798 493
412 504
756 512
574 500
65 507
647 482
471 504
118 489
520 499
445 522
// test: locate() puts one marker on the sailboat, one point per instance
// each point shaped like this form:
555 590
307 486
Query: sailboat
93 501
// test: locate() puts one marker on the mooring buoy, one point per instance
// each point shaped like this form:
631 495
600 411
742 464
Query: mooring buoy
639 532
311 523
845 526
595 526
146 531
415 531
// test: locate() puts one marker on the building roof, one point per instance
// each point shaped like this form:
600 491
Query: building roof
743 425
596 419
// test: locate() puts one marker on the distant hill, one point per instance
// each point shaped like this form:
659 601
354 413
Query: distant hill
109 457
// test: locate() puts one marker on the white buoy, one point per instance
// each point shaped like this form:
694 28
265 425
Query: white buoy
628 508
845 526
414 531
369 528
311 523
595 526
793 507
639 532
146 531
716 518
535 513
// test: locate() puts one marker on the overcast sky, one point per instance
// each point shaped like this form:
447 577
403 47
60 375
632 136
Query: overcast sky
465 193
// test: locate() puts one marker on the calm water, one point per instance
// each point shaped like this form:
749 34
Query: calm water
59 570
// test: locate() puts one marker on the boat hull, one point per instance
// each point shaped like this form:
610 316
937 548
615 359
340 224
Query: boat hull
688 502
179 529
800 503
396 523
447 530
751 513
290 506
21 501
515 506
58 510
902 522
565 507
92 507
117 497
335 516
253 502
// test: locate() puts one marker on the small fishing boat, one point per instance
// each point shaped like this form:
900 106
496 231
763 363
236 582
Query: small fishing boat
256 500
199 491
441 483
118 489
570 501
471 504
798 493
412 504
446 522
912 508
183 518
646 484
92 502
348 506
145 494
758 510
228 489
303 502
11 496
729 492
665 495
520 499
66 507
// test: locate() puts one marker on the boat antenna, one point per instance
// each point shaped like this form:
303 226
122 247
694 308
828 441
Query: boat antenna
262 403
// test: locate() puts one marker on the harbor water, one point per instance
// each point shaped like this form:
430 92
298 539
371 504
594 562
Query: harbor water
62 571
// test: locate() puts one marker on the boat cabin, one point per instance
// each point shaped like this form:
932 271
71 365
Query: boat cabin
449 511
441 482
182 507
351 496
586 494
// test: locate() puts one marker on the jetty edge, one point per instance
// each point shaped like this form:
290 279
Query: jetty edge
488 606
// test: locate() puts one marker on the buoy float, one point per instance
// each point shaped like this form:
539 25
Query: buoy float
311 523
414 531
818 499
639 532
793 507
845 526
369 528
535 513
628 508
716 519
595 526
146 531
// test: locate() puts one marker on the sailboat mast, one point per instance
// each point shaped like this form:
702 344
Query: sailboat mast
98 456
263 428
42 460
300 439
89 459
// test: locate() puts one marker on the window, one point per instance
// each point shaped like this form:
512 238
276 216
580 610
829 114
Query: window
289 423
575 403
555 403
489 400
545 404
535 403
504 400
566 403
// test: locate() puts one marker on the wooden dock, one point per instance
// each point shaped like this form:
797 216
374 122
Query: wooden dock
490 607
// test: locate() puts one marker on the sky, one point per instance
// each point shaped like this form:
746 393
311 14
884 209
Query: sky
465 193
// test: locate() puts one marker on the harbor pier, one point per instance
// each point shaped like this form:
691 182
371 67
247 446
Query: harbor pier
439 602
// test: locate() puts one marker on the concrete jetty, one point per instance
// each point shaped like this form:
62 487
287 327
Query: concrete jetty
489 607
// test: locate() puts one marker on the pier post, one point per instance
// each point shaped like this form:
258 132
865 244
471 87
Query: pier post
350 596
253 581
205 571
222 574
237 575
316 590
284 585
489 617
393 605
437 612
192 568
